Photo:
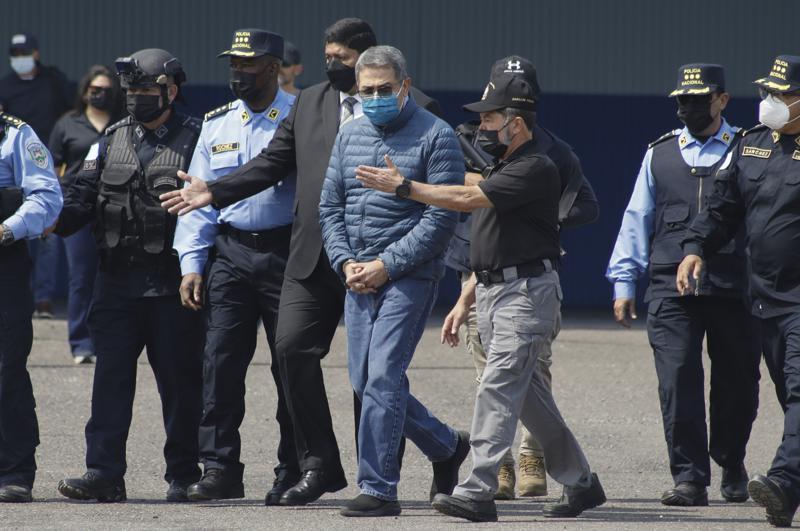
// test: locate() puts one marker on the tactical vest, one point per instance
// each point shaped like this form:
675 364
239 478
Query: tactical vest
129 213
682 191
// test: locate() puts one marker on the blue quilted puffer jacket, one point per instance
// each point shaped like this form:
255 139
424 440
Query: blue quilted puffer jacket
362 224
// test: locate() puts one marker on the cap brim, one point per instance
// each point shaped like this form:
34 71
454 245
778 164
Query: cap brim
708 89
240 53
767 83
483 106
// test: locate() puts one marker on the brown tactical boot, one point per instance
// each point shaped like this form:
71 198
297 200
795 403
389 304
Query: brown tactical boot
506 479
532 477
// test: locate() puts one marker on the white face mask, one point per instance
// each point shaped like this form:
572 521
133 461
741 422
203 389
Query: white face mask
23 64
774 113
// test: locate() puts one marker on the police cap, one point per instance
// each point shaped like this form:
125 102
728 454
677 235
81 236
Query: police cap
698 79
505 90
784 76
255 43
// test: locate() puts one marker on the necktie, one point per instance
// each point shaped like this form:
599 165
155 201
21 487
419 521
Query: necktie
347 110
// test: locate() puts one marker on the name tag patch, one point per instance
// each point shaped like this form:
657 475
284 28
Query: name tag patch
750 151
223 148
172 182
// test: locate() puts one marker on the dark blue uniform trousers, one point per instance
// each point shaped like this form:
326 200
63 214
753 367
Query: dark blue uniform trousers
121 327
676 327
243 286
19 430
782 353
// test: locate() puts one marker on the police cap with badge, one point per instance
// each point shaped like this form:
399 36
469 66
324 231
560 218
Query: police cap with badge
783 77
255 43
698 79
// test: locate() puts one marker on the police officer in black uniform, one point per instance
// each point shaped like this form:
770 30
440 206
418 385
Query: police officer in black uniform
136 302
673 185
758 187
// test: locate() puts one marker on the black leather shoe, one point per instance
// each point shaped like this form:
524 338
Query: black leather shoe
216 485
312 485
686 494
177 490
734 484
15 494
778 503
463 507
284 481
90 486
445 473
574 500
366 505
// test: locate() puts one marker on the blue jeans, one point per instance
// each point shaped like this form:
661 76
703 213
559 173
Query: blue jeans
383 330
45 253
82 266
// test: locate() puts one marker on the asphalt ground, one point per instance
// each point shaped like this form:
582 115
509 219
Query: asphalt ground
604 383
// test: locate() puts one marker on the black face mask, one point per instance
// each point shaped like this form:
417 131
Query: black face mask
696 115
101 100
489 141
244 85
144 107
341 76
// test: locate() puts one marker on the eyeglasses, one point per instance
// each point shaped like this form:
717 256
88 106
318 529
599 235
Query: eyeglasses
765 93
387 89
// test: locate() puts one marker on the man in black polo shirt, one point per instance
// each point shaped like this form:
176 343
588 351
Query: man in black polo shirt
518 299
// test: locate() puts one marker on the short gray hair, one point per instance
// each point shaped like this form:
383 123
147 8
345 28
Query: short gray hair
382 57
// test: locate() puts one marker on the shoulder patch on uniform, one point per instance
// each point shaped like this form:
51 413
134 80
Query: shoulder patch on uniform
11 120
664 137
796 154
219 111
750 151
273 114
759 127
38 154
122 123
193 123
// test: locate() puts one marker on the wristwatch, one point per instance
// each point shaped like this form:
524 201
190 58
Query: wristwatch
403 190
8 236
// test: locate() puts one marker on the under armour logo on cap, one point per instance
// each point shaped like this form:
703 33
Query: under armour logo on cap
18 39
514 66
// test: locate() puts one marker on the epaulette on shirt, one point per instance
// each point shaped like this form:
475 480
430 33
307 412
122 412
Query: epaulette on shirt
759 127
664 137
122 123
13 121
192 123
219 111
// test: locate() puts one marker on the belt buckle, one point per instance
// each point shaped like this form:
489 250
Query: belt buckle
483 277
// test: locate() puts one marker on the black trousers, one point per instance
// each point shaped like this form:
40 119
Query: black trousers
19 430
676 327
781 340
173 335
243 286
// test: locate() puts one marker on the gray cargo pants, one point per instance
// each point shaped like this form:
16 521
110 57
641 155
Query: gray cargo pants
517 321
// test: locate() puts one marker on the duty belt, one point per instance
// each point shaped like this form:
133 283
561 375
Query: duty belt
509 274
262 241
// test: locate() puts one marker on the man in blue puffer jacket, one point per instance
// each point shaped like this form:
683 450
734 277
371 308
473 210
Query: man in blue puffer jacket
388 250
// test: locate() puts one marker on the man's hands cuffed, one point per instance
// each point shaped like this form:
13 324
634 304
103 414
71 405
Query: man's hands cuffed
195 195
365 277
191 291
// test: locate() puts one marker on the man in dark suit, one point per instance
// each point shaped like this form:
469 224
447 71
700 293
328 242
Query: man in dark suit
312 297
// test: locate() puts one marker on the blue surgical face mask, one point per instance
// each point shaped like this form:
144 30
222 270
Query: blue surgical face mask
381 109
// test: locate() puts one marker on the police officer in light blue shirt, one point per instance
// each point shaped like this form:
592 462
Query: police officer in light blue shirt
244 273
30 201
673 186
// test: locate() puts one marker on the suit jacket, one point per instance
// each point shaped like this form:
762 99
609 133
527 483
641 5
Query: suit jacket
303 142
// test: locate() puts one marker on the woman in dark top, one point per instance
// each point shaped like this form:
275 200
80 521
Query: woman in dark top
98 105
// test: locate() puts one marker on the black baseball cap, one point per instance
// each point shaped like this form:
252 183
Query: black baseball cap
255 43
518 66
784 76
698 79
505 90
291 55
23 42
